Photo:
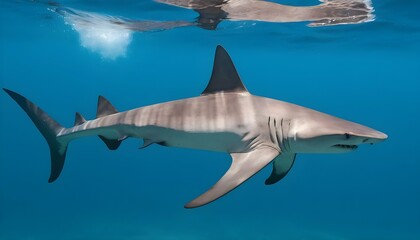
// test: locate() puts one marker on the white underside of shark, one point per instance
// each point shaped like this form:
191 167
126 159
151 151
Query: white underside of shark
254 130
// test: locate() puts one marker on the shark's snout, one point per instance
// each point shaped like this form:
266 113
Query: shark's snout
377 137
352 142
370 137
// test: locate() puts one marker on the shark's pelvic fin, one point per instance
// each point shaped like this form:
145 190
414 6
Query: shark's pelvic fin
79 119
244 166
48 128
148 142
105 108
281 166
224 77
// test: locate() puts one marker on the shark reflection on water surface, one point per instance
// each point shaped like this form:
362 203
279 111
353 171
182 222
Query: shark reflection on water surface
111 35
329 12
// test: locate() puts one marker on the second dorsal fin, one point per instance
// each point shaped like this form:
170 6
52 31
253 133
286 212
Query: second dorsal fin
104 107
79 119
224 77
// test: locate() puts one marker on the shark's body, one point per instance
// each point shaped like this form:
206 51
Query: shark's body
226 118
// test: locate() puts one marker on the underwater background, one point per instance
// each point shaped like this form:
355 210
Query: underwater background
52 53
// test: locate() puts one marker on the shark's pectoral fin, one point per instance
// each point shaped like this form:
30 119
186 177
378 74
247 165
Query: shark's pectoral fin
244 166
281 166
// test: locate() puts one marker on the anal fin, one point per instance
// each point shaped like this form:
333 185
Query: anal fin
112 144
244 166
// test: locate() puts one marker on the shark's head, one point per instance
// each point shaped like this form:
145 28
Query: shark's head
323 133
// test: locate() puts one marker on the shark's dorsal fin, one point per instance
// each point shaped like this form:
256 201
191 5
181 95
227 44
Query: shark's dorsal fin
244 166
224 77
79 119
104 107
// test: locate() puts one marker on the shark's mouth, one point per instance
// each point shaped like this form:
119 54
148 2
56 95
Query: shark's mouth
345 146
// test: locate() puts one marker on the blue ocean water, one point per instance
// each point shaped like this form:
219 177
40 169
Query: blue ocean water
62 55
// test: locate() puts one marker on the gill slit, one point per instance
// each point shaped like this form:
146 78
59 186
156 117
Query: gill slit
279 133
285 129
282 135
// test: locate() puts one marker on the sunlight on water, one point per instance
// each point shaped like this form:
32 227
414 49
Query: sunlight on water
99 33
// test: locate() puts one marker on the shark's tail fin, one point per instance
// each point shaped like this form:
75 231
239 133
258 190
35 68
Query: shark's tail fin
48 128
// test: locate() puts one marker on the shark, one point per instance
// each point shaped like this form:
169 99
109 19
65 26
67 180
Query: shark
226 117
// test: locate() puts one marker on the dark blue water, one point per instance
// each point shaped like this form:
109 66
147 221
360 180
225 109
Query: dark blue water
367 73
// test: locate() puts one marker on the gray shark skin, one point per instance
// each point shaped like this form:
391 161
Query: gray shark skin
328 13
254 130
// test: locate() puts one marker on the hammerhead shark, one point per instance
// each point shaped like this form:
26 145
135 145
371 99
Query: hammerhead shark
254 130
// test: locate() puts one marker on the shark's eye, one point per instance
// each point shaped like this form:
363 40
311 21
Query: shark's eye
347 135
